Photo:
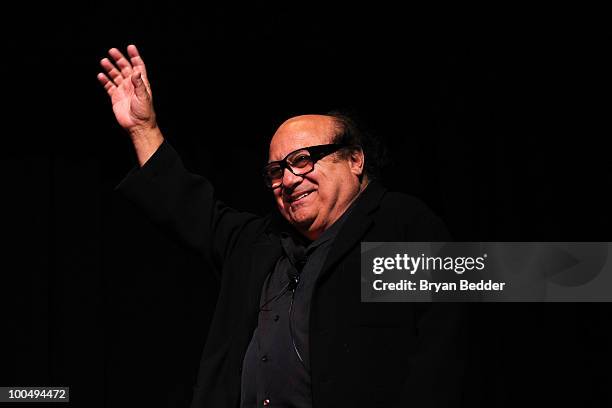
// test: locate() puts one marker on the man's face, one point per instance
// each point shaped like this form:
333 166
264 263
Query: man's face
330 188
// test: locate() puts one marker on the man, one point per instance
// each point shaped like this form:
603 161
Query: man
289 328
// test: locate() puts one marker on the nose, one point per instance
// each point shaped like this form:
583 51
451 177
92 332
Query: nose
290 180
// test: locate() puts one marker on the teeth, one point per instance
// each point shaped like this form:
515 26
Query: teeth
301 196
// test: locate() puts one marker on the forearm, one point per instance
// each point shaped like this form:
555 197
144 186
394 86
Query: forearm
146 142
183 205
174 199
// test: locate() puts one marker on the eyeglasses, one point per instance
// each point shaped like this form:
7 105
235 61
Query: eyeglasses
299 162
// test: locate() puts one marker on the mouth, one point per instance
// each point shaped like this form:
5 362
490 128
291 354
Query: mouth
298 197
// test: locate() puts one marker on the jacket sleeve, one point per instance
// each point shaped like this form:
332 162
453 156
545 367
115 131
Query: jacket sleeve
184 206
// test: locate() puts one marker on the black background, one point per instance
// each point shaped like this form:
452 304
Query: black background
497 119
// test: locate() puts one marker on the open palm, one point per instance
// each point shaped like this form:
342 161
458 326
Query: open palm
127 84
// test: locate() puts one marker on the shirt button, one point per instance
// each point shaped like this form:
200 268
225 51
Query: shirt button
266 402
264 358
276 318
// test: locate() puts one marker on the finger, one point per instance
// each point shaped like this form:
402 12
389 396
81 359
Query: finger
135 57
123 64
138 64
143 77
112 72
139 86
108 85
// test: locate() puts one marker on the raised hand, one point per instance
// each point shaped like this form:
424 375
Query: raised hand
127 84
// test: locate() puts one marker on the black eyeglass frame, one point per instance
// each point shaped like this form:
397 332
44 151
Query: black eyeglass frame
316 153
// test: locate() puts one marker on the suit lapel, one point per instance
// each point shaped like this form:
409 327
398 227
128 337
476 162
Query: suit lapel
355 227
263 258
267 251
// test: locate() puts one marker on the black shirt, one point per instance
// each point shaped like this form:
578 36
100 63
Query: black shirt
273 373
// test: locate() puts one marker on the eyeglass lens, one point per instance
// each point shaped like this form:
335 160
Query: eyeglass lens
299 162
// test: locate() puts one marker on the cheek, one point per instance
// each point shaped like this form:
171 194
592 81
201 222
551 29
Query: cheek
331 194
326 191
279 202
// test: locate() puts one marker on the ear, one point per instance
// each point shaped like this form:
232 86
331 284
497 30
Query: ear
356 160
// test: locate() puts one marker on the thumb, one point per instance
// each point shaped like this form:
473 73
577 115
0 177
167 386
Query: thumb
139 86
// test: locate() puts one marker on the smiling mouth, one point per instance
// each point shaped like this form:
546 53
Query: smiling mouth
300 197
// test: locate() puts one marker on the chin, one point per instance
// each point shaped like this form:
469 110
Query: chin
301 220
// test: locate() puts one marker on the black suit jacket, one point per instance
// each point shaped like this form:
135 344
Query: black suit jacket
362 354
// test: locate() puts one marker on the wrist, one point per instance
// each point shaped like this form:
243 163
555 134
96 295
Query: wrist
144 133
146 142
